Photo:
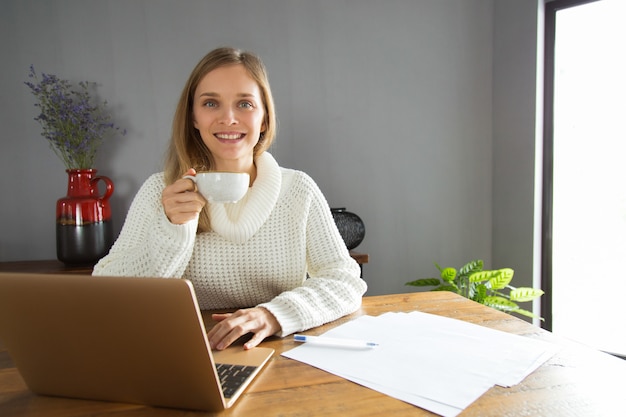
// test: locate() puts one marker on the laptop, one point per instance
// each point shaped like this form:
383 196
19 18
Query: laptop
121 339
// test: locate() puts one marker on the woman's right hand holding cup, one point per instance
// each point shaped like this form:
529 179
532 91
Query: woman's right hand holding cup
181 201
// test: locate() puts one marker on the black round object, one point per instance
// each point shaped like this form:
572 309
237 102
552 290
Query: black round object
351 227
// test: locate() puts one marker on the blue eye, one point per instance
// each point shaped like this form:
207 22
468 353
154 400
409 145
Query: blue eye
246 105
210 103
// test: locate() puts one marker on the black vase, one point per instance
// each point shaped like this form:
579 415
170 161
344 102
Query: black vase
351 227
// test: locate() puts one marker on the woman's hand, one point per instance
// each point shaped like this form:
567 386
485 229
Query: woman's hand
232 326
181 201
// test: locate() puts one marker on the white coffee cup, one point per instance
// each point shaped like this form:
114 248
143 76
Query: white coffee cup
221 187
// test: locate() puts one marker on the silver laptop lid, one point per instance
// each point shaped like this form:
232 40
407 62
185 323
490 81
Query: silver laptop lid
138 340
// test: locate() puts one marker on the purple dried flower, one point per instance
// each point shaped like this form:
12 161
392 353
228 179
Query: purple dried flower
72 125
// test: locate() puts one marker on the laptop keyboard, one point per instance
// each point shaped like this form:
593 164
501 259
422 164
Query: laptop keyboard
232 377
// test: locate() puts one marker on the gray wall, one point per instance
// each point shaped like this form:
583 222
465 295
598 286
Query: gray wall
418 115
517 123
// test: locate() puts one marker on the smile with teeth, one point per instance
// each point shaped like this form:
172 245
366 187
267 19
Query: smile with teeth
229 136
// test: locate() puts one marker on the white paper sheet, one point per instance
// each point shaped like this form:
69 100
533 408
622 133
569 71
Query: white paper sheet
433 362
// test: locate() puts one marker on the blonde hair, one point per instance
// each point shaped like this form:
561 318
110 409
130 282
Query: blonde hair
186 149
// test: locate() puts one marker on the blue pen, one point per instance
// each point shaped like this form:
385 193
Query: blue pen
334 342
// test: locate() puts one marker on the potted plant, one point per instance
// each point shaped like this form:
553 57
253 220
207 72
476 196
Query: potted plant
74 123
489 287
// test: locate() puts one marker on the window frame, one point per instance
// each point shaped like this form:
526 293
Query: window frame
550 12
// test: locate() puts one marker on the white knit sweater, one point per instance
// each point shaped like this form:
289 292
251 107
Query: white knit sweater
258 252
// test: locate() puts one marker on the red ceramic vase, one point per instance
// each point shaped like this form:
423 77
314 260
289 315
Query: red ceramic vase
84 230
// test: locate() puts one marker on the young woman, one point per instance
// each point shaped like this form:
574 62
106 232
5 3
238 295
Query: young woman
275 255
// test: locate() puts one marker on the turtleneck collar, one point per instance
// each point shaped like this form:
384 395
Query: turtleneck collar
239 221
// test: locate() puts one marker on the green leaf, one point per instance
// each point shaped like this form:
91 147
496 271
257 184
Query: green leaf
480 292
448 274
502 279
424 282
442 287
523 294
483 276
500 303
471 267
527 313
447 287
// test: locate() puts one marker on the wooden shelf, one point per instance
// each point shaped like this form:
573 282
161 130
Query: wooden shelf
50 266
53 266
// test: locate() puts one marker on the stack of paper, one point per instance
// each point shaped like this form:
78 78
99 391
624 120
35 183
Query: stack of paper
433 362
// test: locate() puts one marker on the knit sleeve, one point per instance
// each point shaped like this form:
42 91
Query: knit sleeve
334 287
149 245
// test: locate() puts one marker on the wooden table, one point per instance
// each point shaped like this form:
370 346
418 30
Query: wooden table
578 381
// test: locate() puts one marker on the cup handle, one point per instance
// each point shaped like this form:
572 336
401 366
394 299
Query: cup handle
195 182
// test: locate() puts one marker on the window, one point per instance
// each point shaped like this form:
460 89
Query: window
584 229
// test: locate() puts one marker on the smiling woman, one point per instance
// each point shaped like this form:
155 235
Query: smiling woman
276 254
188 147
228 112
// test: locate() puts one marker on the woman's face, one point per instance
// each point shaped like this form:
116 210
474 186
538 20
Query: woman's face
228 113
